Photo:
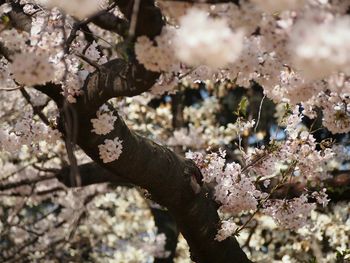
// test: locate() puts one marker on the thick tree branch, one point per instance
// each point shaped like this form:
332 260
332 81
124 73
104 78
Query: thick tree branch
91 173
166 175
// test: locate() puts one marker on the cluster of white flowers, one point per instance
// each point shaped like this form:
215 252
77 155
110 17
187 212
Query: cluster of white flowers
187 137
205 40
310 163
8 141
299 147
226 230
292 214
192 43
295 213
335 111
157 247
70 76
293 55
159 57
44 33
110 150
296 89
27 132
321 48
234 190
241 126
287 58
165 83
204 115
321 197
104 123
29 68
211 166
5 8
6 79
14 39
261 162
92 52
325 231
72 87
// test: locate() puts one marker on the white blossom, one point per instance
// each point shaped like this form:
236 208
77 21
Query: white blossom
110 150
227 229
321 48
205 40
159 57
292 214
31 68
104 123
321 197
234 190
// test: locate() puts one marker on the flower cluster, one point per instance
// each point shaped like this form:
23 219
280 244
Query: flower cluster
110 150
27 132
157 247
234 190
205 40
295 213
226 230
104 123
30 68
321 48
13 39
298 151
292 214
184 137
159 57
321 197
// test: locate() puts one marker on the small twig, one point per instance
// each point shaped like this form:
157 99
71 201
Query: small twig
10 89
252 231
133 20
259 114
77 26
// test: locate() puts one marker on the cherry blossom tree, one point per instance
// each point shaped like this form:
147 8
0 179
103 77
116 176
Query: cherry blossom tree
174 131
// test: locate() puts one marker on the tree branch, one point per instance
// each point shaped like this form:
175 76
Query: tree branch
166 175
